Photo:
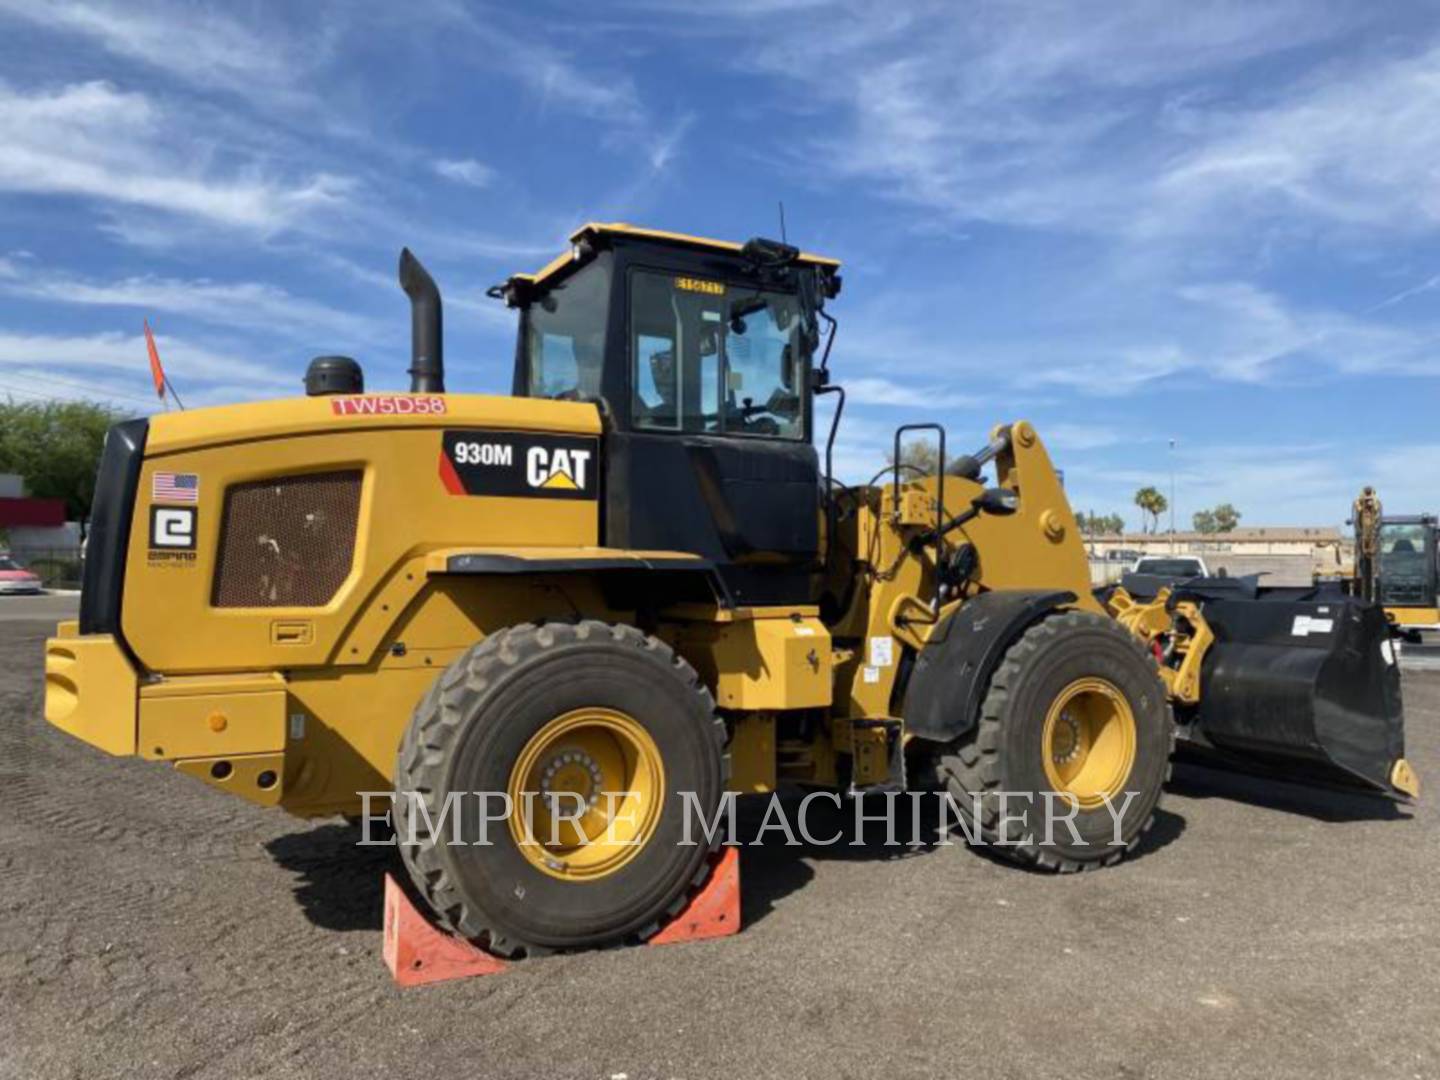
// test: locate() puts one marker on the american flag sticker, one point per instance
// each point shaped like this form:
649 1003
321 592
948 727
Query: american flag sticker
172 487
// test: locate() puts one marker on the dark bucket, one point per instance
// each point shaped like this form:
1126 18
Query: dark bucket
1306 688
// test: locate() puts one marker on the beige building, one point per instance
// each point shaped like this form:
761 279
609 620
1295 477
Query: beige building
1283 555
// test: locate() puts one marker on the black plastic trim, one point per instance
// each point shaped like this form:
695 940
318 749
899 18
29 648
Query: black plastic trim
952 673
108 539
488 563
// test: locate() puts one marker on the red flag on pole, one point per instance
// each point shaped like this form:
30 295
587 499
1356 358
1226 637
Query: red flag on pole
156 371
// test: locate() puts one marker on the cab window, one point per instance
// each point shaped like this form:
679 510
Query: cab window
1402 539
564 335
711 357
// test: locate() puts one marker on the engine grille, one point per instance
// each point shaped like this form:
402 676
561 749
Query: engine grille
287 541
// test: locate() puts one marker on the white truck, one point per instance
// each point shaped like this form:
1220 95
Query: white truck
1174 567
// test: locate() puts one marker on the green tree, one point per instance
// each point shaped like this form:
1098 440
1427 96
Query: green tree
1093 524
1152 504
1220 519
55 446
923 455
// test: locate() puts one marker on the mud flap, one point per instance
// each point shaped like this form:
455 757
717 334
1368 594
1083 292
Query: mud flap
1309 689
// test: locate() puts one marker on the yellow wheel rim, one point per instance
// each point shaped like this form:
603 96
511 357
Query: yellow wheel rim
1089 742
586 791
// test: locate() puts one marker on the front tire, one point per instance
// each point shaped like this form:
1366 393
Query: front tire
1075 710
555 716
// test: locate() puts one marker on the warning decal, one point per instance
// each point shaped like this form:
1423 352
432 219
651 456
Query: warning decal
1305 625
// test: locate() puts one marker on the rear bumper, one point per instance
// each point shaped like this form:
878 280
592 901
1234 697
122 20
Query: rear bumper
91 689
228 730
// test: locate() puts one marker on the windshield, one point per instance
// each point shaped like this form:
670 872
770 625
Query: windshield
1399 541
712 357
1169 567
7 563
1404 564
564 335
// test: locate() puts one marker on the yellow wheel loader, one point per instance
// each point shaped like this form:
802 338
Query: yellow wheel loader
602 603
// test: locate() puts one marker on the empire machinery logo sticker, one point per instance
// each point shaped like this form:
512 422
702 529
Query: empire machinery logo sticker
522 464
173 527
172 535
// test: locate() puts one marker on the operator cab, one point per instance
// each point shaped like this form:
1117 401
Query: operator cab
1408 562
701 357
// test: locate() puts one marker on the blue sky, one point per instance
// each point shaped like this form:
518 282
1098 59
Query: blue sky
1218 223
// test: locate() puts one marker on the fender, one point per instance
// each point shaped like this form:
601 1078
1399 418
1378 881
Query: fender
629 578
952 672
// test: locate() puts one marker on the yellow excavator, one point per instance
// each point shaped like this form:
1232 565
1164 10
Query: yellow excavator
1397 565
635 585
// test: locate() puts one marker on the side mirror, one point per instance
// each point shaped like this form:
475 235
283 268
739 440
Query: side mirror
807 286
999 501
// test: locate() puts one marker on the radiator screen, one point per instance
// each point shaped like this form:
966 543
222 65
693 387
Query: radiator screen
288 541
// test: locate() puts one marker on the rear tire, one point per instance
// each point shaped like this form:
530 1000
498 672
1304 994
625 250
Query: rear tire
560 702
1071 686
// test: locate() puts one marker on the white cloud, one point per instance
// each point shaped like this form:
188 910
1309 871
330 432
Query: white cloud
559 81
1079 437
1121 120
242 304
861 445
45 384
1090 368
1254 332
1359 148
1230 331
465 171
1051 114
200 44
95 141
85 356
1270 482
1405 294
664 147
554 75
871 390
1405 477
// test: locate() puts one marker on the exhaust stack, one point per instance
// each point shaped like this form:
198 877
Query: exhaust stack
427 346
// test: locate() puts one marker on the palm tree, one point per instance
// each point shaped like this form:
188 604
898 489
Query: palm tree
1152 504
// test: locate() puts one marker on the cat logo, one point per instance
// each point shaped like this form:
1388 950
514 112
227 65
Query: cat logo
520 464
560 468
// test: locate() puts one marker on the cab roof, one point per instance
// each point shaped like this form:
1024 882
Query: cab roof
599 229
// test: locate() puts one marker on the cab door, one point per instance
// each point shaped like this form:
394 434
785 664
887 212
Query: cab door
714 454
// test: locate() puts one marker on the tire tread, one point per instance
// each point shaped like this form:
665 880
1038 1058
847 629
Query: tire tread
971 765
429 740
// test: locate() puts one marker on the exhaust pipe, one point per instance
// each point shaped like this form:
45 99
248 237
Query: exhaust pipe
427 346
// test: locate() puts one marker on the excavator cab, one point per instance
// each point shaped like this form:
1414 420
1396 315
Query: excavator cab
702 356
1408 570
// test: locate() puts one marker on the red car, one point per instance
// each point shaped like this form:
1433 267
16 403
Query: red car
14 578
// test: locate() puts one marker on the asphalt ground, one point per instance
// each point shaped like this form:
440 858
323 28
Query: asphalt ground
151 927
